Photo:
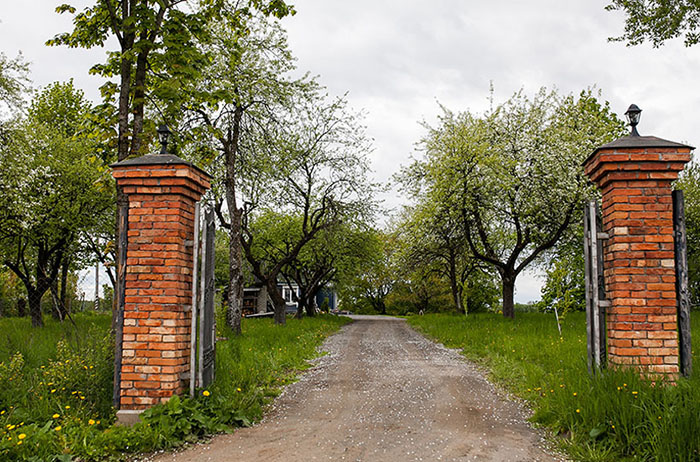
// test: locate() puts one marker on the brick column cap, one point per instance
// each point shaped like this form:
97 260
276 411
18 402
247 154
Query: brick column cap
161 174
158 159
637 158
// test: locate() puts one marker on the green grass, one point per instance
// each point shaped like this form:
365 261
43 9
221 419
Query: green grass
56 388
614 417
39 345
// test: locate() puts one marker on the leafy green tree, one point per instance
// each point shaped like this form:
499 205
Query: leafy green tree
375 277
418 290
658 21
243 87
331 258
155 57
431 237
14 81
514 175
52 187
310 169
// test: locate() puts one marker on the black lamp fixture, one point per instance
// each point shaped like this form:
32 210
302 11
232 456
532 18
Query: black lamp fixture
163 135
633 115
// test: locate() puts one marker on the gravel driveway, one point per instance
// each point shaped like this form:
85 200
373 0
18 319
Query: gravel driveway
383 393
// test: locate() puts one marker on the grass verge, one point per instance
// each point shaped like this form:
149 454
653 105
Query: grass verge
56 382
614 417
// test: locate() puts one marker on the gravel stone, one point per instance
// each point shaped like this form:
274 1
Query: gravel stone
383 393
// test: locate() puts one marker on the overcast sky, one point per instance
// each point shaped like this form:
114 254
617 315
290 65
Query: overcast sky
398 59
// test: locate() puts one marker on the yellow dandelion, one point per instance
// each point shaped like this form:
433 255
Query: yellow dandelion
91 422
98 422
23 436
82 397
613 427
55 416
635 392
2 412
67 407
206 393
578 411
238 389
53 391
58 429
19 442
575 394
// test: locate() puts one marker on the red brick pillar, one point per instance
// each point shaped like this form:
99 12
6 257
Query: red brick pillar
162 191
634 174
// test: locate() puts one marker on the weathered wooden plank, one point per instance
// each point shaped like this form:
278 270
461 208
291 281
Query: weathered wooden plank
595 293
682 291
123 218
589 307
602 302
202 289
193 325
208 338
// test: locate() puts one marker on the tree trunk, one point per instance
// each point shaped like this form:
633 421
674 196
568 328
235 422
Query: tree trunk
21 307
34 298
453 284
379 306
261 305
508 280
278 301
57 312
235 267
311 306
125 68
63 294
235 300
456 296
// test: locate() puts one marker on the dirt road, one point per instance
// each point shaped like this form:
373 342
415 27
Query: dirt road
383 393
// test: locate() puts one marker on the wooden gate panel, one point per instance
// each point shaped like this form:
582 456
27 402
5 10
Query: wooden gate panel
207 325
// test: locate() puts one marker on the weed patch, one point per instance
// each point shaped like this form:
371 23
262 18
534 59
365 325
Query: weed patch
55 397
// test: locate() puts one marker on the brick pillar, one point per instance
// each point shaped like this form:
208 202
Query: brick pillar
634 174
162 191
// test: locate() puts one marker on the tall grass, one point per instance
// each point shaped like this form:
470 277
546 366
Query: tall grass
616 416
56 387
39 345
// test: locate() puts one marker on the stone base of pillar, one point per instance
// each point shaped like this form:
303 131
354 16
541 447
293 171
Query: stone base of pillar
129 417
